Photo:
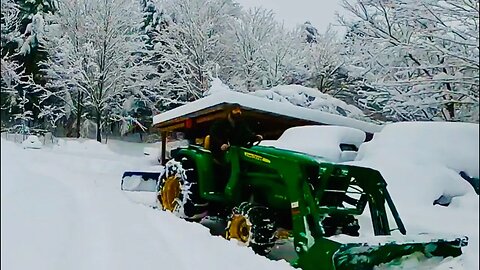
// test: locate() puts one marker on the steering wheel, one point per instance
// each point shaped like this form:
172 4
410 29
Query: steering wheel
253 142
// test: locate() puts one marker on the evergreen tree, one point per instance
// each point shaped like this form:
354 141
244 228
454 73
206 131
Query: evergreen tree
26 47
310 32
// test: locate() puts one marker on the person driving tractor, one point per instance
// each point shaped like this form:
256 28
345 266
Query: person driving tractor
230 131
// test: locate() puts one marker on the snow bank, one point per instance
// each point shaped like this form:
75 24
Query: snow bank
83 147
421 161
454 145
322 141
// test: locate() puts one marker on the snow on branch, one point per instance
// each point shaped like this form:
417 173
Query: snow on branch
428 47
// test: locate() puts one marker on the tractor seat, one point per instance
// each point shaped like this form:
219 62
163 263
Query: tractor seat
206 142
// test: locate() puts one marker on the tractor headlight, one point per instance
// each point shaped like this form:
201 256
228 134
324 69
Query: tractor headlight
340 171
336 171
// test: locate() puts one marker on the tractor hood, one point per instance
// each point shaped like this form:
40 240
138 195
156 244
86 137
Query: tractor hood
289 154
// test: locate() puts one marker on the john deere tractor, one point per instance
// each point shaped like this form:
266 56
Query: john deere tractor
272 196
268 194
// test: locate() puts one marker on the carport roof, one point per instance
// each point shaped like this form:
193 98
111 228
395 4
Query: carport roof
216 103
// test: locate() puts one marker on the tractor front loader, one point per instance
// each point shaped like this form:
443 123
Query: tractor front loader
267 193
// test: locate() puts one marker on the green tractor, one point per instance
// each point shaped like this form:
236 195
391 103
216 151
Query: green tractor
268 195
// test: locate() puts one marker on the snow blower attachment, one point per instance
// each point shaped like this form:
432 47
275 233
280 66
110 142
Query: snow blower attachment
315 201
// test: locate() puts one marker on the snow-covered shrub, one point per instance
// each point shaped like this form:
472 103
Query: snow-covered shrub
32 142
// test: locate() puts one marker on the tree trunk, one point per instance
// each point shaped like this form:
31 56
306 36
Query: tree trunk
451 109
79 114
449 106
99 128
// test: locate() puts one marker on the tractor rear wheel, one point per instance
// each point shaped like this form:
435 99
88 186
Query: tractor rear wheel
177 190
252 225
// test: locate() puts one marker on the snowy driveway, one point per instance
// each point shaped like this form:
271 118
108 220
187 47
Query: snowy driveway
62 209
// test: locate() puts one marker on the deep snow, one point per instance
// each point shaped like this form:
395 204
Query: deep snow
62 208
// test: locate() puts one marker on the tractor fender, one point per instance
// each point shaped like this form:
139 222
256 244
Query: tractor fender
203 165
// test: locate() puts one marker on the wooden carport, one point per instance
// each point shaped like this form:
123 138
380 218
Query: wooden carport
264 117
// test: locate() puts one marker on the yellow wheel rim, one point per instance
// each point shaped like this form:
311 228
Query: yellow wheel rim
170 193
239 229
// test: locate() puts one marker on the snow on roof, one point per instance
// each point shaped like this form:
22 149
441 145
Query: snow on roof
311 98
262 104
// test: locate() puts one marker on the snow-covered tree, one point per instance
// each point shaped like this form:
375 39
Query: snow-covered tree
152 15
324 61
9 68
419 59
245 43
9 24
21 46
15 83
285 57
190 46
310 32
99 63
31 42
15 86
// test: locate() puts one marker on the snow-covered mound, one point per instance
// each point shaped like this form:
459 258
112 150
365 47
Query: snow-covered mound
83 148
451 144
81 145
322 141
421 161
309 98
32 142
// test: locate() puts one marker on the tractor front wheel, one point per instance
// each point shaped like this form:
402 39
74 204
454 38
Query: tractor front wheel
252 225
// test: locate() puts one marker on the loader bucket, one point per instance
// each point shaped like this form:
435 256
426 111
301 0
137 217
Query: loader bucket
327 254
140 181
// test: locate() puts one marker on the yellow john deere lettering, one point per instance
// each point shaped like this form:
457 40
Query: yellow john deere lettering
257 157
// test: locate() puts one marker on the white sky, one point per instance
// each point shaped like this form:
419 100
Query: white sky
292 12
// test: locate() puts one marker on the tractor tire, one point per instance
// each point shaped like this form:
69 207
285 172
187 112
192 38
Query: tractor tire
177 190
252 225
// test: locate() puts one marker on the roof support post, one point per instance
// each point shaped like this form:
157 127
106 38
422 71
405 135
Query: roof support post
164 147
